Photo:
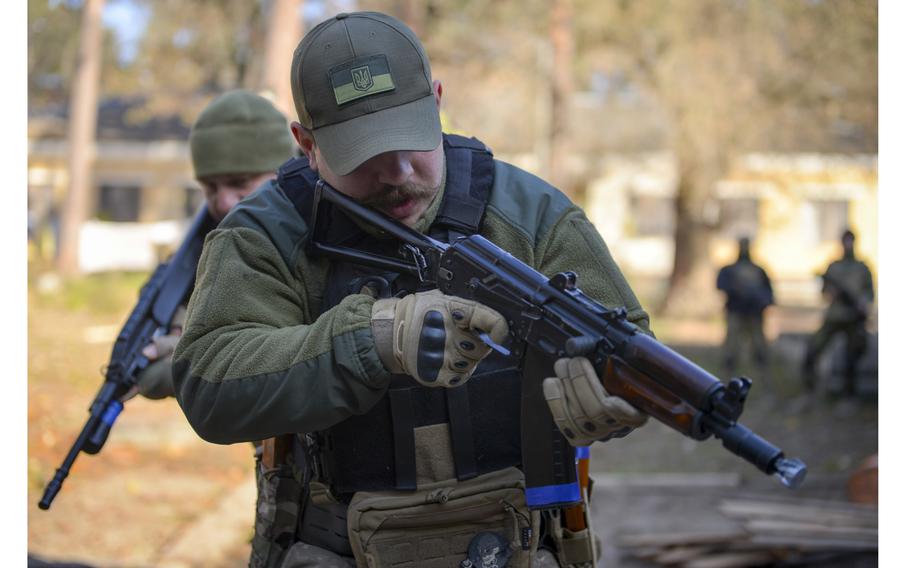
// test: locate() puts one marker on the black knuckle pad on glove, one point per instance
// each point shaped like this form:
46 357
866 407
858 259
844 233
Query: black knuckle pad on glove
432 346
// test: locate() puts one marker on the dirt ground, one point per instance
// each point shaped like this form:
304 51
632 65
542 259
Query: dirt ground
159 496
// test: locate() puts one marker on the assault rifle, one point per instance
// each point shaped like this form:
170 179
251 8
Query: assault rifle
550 318
841 291
168 288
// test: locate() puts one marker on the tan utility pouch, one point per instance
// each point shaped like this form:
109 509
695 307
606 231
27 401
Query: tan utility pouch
574 549
432 527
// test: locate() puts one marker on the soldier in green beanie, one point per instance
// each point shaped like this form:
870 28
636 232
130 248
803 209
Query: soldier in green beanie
236 145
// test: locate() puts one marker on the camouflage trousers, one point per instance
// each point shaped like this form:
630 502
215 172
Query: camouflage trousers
279 497
855 332
744 332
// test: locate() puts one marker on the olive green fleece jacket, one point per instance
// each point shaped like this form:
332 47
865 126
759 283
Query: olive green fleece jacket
255 361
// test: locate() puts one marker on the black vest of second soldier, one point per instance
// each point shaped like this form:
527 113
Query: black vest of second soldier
376 451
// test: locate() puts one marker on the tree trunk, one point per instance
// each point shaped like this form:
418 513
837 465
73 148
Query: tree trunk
83 114
285 31
692 280
692 275
562 40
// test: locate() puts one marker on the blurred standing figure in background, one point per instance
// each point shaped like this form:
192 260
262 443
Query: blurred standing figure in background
847 285
749 292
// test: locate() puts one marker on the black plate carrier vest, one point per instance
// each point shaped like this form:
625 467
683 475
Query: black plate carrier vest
375 451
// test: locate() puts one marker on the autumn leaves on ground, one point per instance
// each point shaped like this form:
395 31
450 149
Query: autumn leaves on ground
130 504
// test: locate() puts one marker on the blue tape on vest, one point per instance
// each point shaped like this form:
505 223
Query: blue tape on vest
552 494
582 452
113 410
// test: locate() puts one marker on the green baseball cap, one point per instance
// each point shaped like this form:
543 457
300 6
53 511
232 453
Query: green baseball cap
362 85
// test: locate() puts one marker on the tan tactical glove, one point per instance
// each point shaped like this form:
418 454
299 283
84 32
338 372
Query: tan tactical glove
161 347
431 336
582 409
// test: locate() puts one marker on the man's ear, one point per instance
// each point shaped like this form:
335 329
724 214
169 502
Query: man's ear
306 142
437 92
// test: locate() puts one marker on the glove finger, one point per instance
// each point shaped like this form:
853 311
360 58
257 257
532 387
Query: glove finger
150 351
165 344
456 363
596 402
156 381
489 320
579 420
561 368
469 346
556 400
584 413
624 412
589 393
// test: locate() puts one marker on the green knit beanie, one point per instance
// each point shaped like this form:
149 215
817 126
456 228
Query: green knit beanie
240 132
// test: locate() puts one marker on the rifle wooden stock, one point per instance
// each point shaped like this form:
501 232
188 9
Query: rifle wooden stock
575 515
641 391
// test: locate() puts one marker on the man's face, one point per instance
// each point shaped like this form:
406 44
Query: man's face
848 241
224 191
401 184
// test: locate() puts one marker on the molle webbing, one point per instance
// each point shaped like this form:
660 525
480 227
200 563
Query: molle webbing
462 437
403 438
375 451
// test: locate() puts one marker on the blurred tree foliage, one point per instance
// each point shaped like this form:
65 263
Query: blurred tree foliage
731 76
190 51
194 49
707 79
53 41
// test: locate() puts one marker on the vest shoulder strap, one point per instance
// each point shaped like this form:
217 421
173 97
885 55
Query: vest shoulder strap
469 181
297 180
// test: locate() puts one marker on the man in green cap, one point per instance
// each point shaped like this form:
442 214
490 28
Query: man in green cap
236 144
388 450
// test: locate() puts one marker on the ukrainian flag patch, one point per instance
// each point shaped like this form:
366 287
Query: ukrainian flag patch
361 77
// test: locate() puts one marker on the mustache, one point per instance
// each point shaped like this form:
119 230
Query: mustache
392 195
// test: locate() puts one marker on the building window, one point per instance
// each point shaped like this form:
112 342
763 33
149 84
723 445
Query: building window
651 216
739 218
830 217
119 203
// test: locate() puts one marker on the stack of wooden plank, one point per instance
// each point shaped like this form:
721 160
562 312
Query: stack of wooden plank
765 532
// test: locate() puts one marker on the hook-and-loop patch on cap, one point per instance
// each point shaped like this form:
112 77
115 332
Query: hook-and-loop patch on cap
361 77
